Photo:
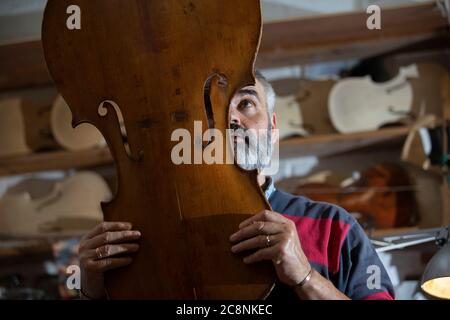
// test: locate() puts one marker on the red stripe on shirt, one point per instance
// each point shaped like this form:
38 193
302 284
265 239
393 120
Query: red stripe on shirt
379 296
321 239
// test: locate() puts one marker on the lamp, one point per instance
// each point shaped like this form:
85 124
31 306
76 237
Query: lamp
436 277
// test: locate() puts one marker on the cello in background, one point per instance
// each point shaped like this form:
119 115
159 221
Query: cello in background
381 198
150 61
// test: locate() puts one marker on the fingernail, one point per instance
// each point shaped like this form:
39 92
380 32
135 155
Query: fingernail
232 237
233 248
137 233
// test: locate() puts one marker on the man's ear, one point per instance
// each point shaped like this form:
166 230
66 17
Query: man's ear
273 120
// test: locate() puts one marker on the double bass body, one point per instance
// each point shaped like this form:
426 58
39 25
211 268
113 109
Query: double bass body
146 62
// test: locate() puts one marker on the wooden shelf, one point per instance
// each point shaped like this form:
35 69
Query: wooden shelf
319 146
387 232
326 145
23 65
286 42
346 36
59 160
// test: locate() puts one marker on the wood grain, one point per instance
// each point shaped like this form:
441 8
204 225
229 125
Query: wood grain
151 59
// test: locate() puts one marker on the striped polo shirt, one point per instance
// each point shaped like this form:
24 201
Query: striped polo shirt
335 245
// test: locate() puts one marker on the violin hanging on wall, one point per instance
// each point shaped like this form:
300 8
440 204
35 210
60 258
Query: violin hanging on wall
150 61
359 104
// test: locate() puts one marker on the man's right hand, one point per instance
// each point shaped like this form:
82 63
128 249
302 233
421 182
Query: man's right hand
99 250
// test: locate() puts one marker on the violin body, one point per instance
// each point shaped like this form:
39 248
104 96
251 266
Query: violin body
359 104
148 61
289 117
313 98
38 208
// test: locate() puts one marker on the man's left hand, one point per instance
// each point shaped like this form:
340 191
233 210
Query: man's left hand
274 238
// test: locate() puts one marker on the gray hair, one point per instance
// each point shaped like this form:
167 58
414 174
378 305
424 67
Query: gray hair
270 92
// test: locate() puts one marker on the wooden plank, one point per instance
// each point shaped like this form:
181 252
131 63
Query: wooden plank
14 248
59 160
23 65
332 52
287 42
389 232
342 36
326 145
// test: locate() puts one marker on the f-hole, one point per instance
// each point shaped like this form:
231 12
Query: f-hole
103 111
207 102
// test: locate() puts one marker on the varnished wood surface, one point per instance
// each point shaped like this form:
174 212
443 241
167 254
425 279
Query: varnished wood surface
152 59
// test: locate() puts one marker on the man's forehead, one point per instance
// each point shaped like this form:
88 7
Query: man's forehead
256 90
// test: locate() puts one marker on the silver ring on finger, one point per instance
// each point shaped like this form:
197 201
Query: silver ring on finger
99 253
268 241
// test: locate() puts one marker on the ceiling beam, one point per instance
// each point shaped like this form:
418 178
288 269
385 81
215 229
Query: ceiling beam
343 36
284 43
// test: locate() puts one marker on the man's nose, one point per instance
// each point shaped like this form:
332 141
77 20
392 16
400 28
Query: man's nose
234 117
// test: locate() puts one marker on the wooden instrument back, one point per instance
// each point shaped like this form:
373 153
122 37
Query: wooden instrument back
150 60
359 104
43 208
383 196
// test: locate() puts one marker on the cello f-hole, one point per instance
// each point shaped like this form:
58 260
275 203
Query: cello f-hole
222 82
103 111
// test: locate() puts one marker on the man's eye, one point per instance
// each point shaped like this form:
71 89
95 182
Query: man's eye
246 104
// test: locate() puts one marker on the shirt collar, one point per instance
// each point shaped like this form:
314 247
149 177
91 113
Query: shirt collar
268 187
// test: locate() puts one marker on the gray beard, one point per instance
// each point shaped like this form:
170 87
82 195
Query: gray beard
255 152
